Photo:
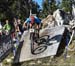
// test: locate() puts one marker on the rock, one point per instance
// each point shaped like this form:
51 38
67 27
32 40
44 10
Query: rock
49 20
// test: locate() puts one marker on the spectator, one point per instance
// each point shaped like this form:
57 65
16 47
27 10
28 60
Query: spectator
15 23
7 27
15 27
0 29
20 26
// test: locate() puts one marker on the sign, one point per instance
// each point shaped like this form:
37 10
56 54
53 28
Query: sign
55 33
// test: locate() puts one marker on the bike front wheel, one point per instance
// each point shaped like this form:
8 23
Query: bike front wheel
39 49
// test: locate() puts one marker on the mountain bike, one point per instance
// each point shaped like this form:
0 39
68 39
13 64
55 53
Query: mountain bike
36 47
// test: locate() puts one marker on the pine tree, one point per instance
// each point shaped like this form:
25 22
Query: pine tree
67 5
52 6
49 6
45 8
21 8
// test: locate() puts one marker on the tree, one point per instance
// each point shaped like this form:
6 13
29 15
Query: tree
67 5
52 5
21 8
49 6
45 11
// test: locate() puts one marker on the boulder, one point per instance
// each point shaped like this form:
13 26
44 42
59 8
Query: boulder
48 21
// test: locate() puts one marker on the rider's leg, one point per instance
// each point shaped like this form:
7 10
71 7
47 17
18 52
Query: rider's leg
30 25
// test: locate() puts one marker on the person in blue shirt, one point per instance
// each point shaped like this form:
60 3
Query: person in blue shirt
31 21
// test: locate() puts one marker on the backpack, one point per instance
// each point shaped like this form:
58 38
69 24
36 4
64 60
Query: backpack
32 19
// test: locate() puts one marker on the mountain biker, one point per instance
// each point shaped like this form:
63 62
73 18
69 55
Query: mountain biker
31 21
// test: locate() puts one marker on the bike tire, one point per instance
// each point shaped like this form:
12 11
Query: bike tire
42 48
32 43
42 39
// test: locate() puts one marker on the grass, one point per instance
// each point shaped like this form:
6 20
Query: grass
48 61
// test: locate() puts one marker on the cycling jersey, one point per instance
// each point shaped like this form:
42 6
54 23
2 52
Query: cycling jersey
33 20
28 20
37 20
7 27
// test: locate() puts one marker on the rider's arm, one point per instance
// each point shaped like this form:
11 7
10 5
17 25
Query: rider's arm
24 25
27 21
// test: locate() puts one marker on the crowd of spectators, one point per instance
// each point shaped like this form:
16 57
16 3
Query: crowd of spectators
13 27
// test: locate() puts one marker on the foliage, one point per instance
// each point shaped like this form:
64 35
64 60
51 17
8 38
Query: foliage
49 6
20 8
45 8
67 5
53 6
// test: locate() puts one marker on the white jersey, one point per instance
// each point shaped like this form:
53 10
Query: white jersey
0 28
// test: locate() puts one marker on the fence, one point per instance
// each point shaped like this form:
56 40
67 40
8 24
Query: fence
5 46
